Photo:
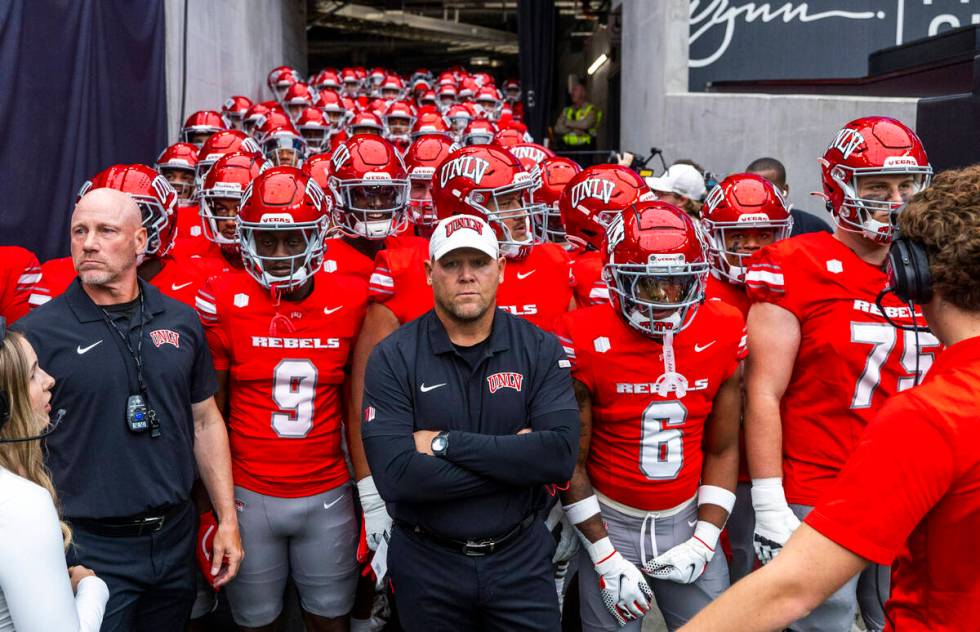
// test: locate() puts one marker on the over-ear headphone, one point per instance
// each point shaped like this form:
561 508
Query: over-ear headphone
908 271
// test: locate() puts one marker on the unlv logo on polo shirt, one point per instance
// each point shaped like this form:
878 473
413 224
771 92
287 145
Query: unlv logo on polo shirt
505 379
165 337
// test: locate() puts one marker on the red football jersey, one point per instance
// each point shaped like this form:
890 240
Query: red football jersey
19 273
342 258
190 239
56 276
179 278
911 493
590 289
212 262
538 287
287 366
850 359
721 290
398 281
646 448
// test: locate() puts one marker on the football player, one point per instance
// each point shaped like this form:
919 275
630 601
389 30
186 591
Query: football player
200 125
589 203
281 334
421 159
177 277
19 273
822 358
556 173
741 215
178 164
659 455
233 111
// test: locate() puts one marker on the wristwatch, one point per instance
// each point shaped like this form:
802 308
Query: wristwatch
440 443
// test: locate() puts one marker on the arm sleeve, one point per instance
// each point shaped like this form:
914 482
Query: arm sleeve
886 489
32 564
25 274
204 382
576 357
401 473
207 310
765 280
382 284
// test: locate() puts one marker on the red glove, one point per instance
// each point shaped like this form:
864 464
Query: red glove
365 555
207 526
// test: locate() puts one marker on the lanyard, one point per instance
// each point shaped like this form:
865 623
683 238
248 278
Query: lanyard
136 354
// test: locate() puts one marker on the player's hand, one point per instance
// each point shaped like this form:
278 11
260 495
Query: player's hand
423 440
775 522
377 522
76 574
226 553
567 545
683 564
624 591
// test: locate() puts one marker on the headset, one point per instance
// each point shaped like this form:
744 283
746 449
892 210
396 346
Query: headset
5 403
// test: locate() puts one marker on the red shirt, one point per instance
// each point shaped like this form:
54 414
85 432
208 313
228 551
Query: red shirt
19 273
189 239
398 281
343 258
590 289
911 494
286 378
721 290
212 261
850 359
646 448
539 287
180 278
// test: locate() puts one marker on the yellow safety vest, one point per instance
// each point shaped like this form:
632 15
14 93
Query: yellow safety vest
581 138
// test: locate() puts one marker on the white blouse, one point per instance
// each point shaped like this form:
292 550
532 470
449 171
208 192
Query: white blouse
35 590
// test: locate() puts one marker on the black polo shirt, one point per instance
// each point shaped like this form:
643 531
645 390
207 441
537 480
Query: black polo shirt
804 222
100 468
490 478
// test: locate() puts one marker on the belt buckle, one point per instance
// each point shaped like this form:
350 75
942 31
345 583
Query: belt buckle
478 548
151 524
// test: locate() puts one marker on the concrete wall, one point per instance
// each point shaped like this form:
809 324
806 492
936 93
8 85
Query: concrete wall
231 46
724 132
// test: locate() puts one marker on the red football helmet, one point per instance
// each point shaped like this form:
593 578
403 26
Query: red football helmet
365 123
656 267
297 98
222 192
479 132
317 167
326 79
459 117
351 82
446 94
177 164
334 108
154 195
531 155
556 172
314 128
512 90
873 149
222 144
423 156
282 199
594 197
280 79
488 100
283 145
255 115
391 88
428 98
487 181
428 123
399 118
370 188
468 88
748 211
508 137
233 111
200 125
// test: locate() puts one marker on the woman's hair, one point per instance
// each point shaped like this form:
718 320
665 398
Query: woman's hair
25 458
945 219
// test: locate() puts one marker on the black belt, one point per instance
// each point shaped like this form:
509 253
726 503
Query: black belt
472 548
129 526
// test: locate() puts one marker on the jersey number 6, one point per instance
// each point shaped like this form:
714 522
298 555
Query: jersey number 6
293 390
662 442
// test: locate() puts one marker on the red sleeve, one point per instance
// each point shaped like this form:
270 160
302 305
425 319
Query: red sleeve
580 369
902 467
766 279
382 284
25 272
206 305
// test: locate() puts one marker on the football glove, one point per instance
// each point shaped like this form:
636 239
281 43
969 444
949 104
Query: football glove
207 526
567 545
377 522
686 562
624 591
775 522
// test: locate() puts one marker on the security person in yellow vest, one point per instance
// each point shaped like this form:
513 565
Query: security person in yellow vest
578 124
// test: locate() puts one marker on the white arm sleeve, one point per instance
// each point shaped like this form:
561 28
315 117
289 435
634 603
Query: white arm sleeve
33 572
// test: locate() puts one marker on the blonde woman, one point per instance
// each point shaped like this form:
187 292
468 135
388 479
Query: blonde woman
38 592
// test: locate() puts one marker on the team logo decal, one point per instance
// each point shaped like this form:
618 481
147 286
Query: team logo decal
369 414
241 300
505 379
592 188
835 266
165 337
847 141
464 221
601 344
470 167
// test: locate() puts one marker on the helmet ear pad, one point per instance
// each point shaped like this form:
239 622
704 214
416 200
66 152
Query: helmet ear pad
908 265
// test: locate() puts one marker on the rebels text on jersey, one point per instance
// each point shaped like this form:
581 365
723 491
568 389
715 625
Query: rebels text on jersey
645 450
850 360
287 368
538 288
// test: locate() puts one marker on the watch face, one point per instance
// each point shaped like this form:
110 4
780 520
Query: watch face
439 444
